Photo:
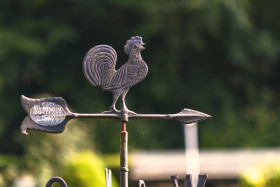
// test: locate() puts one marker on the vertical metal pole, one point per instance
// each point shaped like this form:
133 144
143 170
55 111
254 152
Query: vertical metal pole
123 157
192 151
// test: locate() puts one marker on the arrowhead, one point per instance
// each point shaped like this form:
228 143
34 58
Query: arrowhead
187 116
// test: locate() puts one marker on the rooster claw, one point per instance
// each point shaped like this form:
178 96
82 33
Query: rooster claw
111 111
125 110
132 112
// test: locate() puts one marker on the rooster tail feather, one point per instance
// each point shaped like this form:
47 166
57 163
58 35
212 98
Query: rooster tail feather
99 65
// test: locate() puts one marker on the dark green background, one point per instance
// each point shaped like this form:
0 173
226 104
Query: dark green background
220 57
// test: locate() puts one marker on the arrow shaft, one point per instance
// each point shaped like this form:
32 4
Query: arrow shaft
94 116
190 117
152 116
116 116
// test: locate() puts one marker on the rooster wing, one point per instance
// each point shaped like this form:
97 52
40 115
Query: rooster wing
126 76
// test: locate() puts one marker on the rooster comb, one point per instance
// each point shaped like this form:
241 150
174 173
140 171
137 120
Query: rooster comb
131 42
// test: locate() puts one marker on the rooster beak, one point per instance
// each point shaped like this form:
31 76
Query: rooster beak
142 46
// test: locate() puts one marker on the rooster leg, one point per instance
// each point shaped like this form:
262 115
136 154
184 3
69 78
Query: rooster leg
124 108
116 95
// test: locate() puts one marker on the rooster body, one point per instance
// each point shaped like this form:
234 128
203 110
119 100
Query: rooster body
99 69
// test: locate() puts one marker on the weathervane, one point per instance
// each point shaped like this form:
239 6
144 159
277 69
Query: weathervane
52 114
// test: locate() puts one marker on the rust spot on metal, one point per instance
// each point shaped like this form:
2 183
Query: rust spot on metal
123 126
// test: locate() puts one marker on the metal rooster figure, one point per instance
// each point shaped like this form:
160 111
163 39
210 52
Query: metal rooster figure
99 69
52 114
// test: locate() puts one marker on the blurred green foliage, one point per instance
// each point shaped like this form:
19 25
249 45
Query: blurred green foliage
220 57
8 169
84 169
266 175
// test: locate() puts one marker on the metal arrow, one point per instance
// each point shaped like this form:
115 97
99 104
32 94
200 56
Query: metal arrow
52 114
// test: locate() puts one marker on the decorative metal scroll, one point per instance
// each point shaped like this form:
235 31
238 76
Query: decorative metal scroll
188 180
58 180
142 183
108 177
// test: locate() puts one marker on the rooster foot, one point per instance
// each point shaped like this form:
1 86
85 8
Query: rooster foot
125 110
112 110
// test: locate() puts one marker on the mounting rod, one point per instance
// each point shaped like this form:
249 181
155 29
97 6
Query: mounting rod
123 157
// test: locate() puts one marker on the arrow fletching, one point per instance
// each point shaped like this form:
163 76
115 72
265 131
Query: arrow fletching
48 114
